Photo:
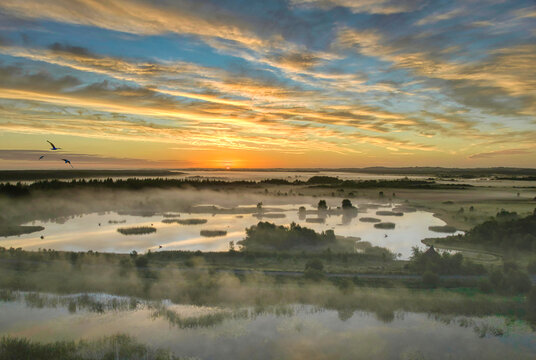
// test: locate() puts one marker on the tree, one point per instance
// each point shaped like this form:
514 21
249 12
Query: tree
322 205
347 204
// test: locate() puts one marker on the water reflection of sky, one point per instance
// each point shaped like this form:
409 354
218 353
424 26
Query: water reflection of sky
82 233
305 333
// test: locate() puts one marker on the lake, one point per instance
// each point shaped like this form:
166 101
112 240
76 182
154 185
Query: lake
292 331
95 232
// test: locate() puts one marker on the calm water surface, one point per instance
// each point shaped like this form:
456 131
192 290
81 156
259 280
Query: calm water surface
94 232
291 332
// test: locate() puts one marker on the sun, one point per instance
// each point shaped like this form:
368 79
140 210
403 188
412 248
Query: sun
227 164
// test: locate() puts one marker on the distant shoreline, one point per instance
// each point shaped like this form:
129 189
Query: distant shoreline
13 175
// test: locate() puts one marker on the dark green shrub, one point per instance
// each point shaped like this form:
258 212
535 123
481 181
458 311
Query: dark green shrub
430 279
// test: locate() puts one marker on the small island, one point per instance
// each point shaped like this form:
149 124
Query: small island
185 221
385 225
116 221
16 230
137 230
389 213
370 220
268 236
270 215
213 233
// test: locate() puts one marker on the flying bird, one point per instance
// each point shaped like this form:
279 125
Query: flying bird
42 156
53 146
68 162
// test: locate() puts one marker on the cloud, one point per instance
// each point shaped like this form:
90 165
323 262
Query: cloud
506 152
502 83
208 22
78 159
436 17
66 48
384 7
297 61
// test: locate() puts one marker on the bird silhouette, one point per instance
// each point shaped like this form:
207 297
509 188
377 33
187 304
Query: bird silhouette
53 146
42 156
68 162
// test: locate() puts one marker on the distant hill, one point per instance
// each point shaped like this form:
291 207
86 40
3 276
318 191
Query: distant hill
444 171
416 170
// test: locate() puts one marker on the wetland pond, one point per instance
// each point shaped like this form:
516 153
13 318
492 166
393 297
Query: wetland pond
285 331
182 231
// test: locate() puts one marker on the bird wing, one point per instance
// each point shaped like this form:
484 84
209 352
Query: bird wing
51 144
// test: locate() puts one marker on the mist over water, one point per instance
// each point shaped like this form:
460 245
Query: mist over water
95 232
289 331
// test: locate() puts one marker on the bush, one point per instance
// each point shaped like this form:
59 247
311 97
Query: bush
267 235
511 281
485 286
314 269
507 230
531 304
430 279
531 267
141 261
347 204
322 205
445 263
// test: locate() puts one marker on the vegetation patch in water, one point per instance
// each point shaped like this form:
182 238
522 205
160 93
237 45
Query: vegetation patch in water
404 209
270 216
191 221
385 225
137 230
389 213
266 235
213 233
111 347
442 229
12 230
370 220
168 215
185 221
116 221
142 213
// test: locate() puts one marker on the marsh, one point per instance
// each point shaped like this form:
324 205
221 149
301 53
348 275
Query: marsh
281 331
83 233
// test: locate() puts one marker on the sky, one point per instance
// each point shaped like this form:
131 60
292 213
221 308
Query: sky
264 84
